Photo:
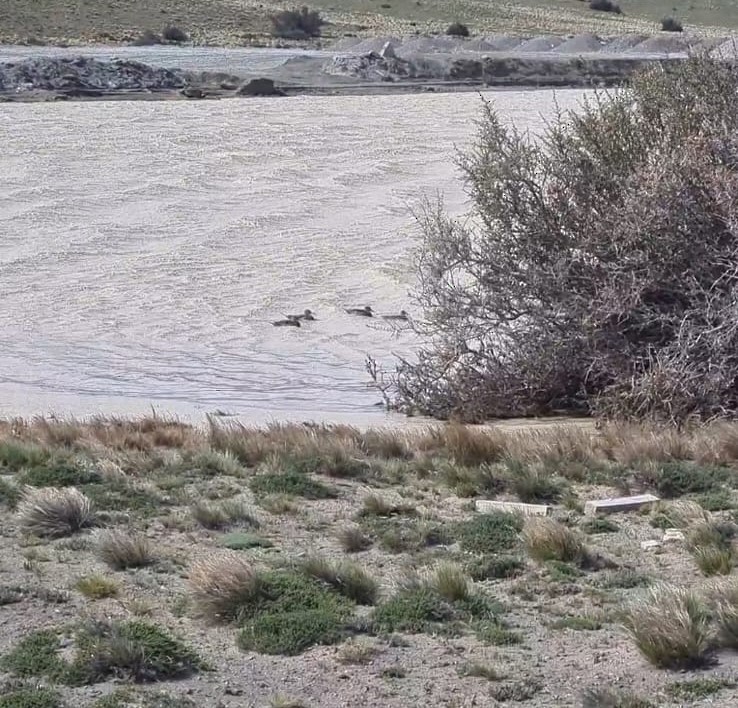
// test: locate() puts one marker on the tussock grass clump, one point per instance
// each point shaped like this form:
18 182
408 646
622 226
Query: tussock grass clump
50 512
671 627
36 655
494 633
457 29
496 532
223 515
353 539
605 6
714 560
463 445
599 524
345 577
671 24
679 514
222 585
472 481
450 582
214 463
97 587
676 479
532 484
121 550
547 540
174 34
481 671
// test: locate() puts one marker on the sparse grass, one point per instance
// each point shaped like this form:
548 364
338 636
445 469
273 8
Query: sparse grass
611 698
719 500
672 480
495 633
599 524
123 549
463 445
375 505
51 512
22 696
670 627
626 579
223 515
478 670
496 532
578 623
357 651
278 504
97 587
10 494
547 539
484 479
726 617
353 539
698 688
345 577
17 455
36 655
292 483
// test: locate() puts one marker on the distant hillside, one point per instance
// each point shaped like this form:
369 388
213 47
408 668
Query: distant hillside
229 22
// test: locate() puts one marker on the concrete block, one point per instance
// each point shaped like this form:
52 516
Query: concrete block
650 545
486 506
610 506
673 535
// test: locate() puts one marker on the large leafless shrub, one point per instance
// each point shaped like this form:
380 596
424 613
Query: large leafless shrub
597 271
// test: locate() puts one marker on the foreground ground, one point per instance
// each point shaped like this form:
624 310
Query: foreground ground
234 22
147 563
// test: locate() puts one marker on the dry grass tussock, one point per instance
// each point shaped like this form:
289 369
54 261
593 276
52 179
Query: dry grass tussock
146 433
121 549
52 513
338 449
222 584
671 627
548 539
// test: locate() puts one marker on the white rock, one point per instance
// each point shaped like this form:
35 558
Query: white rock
388 51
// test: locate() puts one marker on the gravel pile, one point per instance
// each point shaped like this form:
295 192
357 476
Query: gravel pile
84 73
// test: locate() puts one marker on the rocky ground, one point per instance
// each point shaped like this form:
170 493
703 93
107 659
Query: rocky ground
148 563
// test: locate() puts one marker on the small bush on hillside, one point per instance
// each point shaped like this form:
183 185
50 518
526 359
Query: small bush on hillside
147 38
605 6
457 29
297 24
174 34
611 698
25 696
412 610
671 24
353 539
346 578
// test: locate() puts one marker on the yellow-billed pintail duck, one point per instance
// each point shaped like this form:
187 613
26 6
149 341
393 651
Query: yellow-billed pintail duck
365 311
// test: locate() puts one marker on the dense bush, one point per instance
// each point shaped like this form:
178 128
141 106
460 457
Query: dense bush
297 24
174 34
457 29
671 24
596 274
605 6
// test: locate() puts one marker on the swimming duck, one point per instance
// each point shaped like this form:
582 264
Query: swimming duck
286 323
306 315
365 311
402 316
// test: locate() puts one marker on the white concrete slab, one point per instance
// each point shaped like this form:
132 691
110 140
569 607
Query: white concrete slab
486 506
610 506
